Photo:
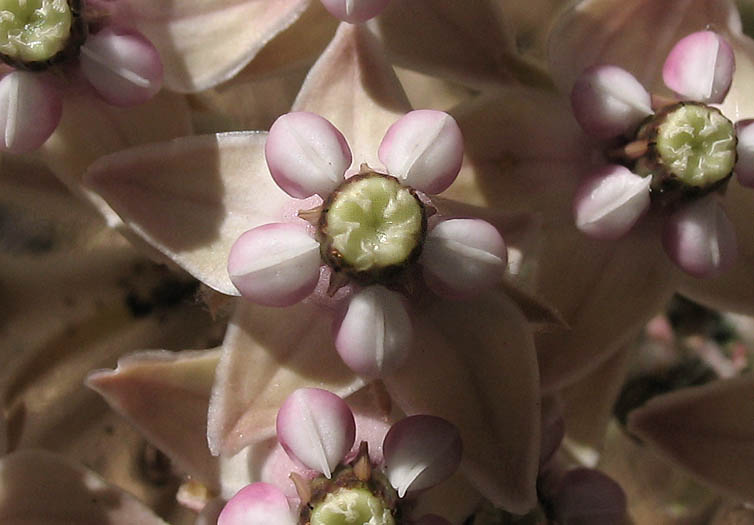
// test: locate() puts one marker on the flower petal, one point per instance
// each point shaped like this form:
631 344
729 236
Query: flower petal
124 68
375 334
707 430
461 41
39 487
355 11
498 419
317 428
257 504
91 128
700 238
633 34
186 35
30 109
193 197
463 256
420 452
275 264
354 68
424 148
306 154
608 101
267 354
700 67
166 396
608 204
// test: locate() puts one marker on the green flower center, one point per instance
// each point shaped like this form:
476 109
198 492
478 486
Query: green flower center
354 506
34 30
372 223
691 143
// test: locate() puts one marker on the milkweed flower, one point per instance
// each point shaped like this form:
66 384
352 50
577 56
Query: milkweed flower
317 430
370 229
53 45
674 161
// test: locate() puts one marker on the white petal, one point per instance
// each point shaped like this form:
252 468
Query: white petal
420 452
375 334
463 256
700 67
257 504
275 264
608 101
608 204
355 11
306 154
30 109
700 238
425 149
317 428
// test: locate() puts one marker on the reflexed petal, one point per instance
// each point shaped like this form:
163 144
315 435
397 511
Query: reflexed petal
608 204
700 238
193 197
424 148
355 11
708 430
700 67
275 264
124 68
420 452
463 256
257 504
306 154
91 128
633 34
745 164
463 41
354 68
267 354
186 35
30 109
608 101
589 497
375 335
166 396
499 418
39 488
317 428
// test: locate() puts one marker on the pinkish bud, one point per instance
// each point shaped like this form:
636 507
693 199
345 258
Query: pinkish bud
123 67
700 67
30 110
424 148
375 334
700 238
463 256
588 497
306 154
355 11
745 164
608 101
275 264
257 504
420 452
316 428
608 204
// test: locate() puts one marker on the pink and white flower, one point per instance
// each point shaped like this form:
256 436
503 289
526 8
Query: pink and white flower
370 228
317 430
89 49
676 159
